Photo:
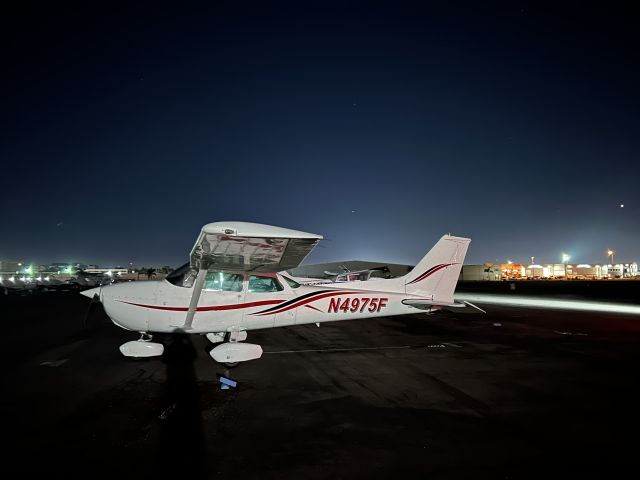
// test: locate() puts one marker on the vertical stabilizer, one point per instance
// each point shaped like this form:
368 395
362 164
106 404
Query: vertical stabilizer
436 275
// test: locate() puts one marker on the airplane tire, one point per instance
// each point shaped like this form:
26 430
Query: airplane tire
231 364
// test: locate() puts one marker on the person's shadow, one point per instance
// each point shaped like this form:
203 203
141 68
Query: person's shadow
181 449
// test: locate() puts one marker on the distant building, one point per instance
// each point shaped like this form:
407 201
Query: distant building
9 266
486 272
515 271
63 267
512 271
584 271
621 270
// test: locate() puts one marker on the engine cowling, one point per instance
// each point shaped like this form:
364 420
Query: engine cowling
236 352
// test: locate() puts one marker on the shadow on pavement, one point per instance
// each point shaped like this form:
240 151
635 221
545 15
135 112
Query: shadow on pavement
181 446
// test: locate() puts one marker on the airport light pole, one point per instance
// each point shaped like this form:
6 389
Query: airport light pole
565 259
611 253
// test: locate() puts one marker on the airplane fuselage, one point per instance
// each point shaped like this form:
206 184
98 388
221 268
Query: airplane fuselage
159 306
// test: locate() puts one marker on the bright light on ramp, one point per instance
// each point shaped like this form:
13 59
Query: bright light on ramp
541 302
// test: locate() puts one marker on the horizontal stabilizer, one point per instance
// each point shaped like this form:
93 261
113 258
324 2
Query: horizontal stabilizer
426 303
473 306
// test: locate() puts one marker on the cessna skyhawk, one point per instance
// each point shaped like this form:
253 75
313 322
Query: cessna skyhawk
232 285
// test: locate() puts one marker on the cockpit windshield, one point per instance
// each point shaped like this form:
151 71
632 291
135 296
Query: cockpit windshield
183 276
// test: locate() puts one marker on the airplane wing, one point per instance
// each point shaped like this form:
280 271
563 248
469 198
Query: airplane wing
242 246
245 247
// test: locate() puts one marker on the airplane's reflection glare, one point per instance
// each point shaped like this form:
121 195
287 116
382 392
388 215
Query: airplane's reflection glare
577 305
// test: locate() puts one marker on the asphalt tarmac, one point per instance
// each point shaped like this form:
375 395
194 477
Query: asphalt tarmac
516 393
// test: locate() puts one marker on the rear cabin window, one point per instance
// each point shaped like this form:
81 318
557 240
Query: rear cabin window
226 282
259 284
292 283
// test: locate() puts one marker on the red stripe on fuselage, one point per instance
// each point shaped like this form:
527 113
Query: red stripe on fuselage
307 300
233 306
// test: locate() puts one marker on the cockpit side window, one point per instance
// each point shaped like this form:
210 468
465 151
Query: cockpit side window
226 282
259 284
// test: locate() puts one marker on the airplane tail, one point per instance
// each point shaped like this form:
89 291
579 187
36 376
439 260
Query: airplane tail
436 275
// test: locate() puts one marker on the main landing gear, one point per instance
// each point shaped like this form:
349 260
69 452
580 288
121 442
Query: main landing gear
231 353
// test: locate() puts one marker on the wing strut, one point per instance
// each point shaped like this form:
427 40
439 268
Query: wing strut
195 296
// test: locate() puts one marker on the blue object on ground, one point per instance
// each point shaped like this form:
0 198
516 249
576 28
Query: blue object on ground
227 382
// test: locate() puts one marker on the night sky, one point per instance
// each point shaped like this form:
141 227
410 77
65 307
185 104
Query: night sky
380 125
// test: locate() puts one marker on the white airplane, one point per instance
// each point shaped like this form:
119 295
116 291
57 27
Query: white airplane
231 285
345 276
